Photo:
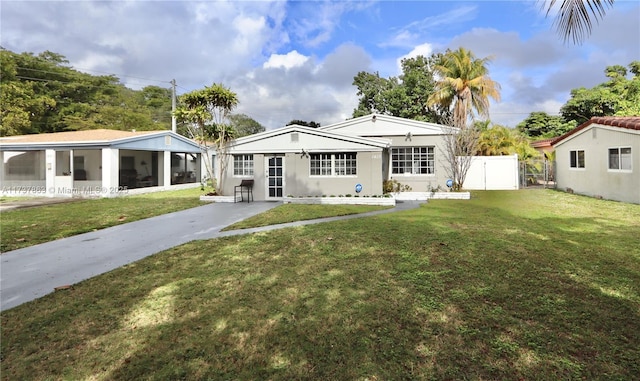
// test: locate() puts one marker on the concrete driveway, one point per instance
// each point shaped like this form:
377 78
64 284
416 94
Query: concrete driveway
32 272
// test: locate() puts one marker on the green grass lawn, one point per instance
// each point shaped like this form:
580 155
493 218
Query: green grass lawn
31 226
506 286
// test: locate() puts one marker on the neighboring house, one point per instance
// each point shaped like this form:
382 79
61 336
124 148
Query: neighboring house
96 162
543 146
601 158
340 158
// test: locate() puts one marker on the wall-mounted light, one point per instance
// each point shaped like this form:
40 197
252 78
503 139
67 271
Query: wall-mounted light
408 136
373 118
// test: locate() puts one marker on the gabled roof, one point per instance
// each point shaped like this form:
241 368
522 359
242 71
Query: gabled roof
387 125
624 122
307 138
100 138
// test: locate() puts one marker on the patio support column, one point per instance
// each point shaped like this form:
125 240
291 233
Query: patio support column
3 165
166 172
50 172
110 172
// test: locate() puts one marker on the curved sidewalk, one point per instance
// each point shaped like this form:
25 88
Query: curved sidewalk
29 273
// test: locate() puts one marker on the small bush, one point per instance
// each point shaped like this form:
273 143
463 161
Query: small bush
394 186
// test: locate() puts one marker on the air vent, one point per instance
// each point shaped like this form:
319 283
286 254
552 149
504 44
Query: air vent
167 140
294 137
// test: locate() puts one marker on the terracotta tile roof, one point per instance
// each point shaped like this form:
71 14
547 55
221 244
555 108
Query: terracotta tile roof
628 122
101 135
542 143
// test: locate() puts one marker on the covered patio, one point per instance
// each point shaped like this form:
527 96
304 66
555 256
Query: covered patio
101 163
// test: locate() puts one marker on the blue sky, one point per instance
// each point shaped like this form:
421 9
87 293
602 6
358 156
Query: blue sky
297 59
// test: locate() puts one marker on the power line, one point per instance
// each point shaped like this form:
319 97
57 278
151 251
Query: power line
123 75
39 79
96 71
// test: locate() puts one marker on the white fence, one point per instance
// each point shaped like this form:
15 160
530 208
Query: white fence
493 173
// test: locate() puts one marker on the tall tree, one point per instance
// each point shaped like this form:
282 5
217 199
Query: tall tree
245 125
299 122
206 112
372 93
540 125
42 93
403 96
574 18
464 85
619 96
158 101
417 83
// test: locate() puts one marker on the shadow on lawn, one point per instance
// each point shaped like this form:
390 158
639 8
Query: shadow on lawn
413 295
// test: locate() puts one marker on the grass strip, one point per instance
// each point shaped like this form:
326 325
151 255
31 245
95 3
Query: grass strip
31 226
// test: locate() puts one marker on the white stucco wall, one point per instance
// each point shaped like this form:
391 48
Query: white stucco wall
596 179
298 182
421 182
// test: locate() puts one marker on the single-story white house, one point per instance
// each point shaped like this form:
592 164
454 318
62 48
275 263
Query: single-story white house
353 157
101 162
601 158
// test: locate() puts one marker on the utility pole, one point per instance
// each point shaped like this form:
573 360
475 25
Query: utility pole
173 106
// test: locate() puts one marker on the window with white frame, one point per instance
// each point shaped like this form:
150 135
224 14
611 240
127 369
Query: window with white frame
345 164
338 164
576 159
243 165
413 160
620 158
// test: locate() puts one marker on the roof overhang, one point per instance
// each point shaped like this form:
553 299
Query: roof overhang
630 124
387 125
148 140
296 138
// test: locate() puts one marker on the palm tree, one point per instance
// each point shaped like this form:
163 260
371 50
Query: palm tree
205 111
574 18
496 141
463 83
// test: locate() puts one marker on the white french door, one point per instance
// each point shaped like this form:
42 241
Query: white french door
275 176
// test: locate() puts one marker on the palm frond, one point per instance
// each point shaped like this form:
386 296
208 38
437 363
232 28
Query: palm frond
575 18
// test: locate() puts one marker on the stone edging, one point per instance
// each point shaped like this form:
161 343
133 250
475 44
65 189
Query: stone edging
385 201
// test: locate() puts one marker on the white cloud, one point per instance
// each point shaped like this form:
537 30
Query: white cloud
306 89
286 61
248 32
425 50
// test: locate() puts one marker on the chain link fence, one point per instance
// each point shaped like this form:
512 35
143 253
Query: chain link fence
537 173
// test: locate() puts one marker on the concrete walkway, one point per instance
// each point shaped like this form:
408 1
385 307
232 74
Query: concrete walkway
29 273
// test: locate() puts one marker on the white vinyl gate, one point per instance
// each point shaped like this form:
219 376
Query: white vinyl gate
493 173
